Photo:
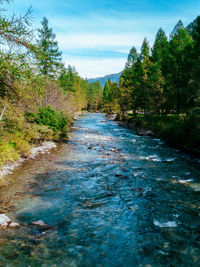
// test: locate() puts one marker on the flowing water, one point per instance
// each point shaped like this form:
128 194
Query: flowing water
113 199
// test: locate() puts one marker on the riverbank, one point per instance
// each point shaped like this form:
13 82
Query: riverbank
9 167
38 148
110 200
179 132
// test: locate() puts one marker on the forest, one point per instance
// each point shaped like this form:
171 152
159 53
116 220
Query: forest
39 95
159 88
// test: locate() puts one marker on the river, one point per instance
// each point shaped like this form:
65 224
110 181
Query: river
113 198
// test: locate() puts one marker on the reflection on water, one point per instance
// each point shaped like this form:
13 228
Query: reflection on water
114 199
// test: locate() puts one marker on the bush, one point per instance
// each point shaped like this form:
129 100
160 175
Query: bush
7 152
20 144
52 125
31 117
53 119
38 133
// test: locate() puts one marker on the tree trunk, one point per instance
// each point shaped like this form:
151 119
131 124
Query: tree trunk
2 113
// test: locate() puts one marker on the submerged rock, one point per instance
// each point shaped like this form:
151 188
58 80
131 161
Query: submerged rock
40 223
42 226
145 132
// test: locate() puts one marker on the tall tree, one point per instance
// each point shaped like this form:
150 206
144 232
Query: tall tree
195 79
49 56
106 93
180 48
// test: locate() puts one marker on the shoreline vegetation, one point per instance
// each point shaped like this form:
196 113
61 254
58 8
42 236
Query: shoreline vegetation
159 88
158 127
39 95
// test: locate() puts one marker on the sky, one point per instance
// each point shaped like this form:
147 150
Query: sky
96 36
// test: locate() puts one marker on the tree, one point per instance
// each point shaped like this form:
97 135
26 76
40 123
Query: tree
49 56
180 48
132 57
67 79
160 47
106 93
194 100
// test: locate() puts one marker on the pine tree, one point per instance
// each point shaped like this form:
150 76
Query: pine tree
195 80
106 93
132 57
49 56
180 47
160 47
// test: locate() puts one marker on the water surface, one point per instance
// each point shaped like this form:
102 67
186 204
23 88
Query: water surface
114 199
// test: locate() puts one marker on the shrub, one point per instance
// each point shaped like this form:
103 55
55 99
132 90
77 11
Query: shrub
37 133
53 119
31 117
7 152
20 144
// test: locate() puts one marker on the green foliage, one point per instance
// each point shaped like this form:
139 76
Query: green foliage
7 153
48 56
67 79
31 117
36 134
51 118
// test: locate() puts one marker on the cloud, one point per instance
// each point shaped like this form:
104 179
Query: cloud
92 40
93 67
96 36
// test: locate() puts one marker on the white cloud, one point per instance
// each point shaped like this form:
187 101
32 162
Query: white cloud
92 40
90 68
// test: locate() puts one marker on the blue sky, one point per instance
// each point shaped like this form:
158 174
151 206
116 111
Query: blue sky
96 35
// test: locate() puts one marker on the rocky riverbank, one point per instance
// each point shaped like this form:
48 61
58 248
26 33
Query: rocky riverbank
141 130
10 167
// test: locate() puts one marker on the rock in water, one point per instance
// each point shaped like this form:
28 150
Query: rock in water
40 223
13 225
4 221
42 226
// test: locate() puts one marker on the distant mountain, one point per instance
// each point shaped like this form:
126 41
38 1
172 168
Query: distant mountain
113 77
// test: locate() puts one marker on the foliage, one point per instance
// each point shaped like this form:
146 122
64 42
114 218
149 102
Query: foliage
49 56
51 118
162 81
38 95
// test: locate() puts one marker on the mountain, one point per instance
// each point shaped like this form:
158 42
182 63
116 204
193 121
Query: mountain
113 77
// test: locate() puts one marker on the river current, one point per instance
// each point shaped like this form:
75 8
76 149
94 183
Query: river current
113 198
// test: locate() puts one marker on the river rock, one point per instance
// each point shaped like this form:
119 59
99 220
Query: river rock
40 223
13 225
42 226
6 222
145 132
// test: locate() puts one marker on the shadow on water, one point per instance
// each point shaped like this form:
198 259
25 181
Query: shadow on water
113 199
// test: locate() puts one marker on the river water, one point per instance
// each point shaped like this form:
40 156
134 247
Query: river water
113 199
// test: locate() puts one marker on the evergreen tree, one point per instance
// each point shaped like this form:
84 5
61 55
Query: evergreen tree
160 47
106 93
49 56
132 57
67 79
194 100
180 48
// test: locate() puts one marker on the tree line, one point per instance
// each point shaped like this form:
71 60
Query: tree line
162 84
39 95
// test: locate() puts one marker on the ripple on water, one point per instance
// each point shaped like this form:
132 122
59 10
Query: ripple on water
168 224
127 201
